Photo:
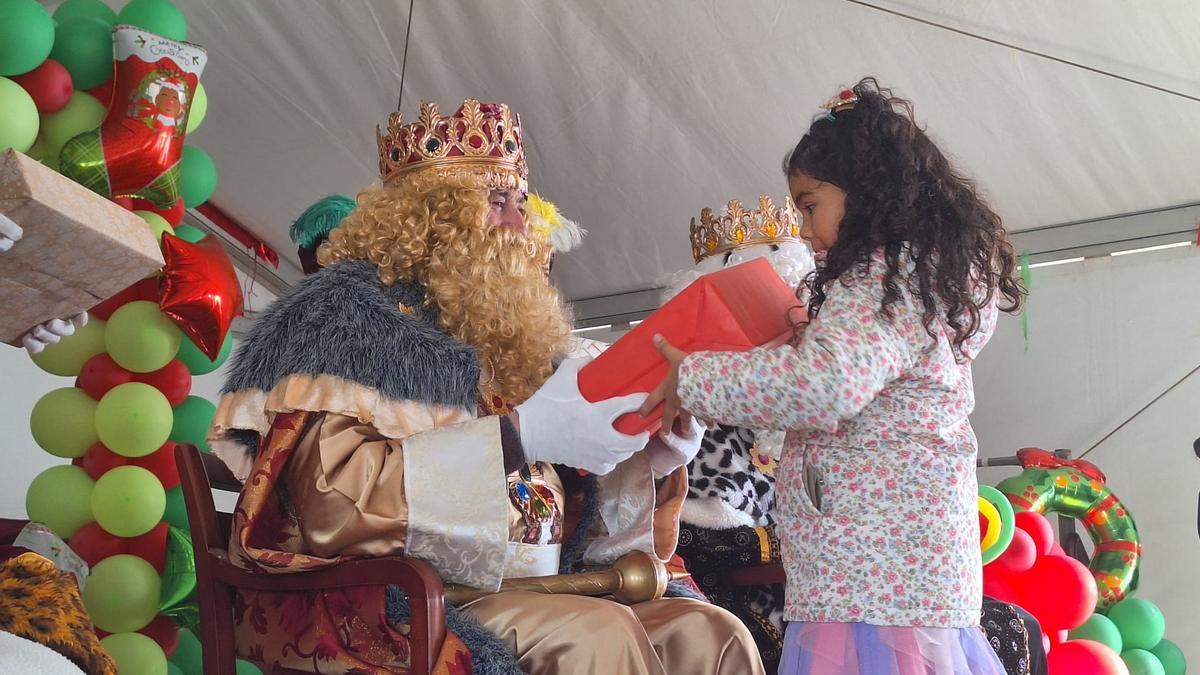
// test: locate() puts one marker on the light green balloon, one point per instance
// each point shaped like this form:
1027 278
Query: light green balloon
82 113
134 419
19 119
67 356
63 422
1099 628
1140 621
1171 657
193 417
121 594
187 655
189 233
197 362
84 46
158 224
128 501
89 8
197 176
61 499
135 654
26 36
140 338
246 668
199 108
1142 662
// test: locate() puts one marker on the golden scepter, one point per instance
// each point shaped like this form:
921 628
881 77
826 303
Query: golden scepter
635 577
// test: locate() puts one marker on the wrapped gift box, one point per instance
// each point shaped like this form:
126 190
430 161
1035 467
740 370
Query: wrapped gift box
78 248
735 309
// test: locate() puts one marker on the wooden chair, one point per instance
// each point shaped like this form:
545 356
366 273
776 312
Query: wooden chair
217 578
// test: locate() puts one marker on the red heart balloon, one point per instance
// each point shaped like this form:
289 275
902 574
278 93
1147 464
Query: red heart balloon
200 290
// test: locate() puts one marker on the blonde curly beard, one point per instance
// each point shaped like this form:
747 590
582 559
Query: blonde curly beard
490 292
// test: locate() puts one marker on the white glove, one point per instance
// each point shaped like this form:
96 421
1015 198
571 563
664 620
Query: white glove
668 452
52 331
558 425
10 233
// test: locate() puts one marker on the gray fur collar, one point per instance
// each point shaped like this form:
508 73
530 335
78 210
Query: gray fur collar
344 321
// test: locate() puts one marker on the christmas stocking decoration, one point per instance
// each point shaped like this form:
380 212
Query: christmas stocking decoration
136 150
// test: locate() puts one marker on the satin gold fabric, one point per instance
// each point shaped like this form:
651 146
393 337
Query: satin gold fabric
568 635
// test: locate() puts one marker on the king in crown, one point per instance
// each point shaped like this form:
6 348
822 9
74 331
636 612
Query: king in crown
404 400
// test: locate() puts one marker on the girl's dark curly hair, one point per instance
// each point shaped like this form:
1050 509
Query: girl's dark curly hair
902 192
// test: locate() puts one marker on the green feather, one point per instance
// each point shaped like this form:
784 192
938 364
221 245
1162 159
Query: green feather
319 219
1027 281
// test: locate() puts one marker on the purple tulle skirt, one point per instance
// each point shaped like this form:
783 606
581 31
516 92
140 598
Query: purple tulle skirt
851 648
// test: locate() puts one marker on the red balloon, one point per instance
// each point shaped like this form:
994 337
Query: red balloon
997 584
49 85
99 460
1036 525
1084 657
165 632
103 92
200 290
1058 550
146 289
99 374
152 546
93 544
174 380
123 202
1019 556
1060 592
161 463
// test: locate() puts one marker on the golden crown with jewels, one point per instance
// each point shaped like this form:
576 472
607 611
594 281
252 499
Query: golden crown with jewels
739 227
480 139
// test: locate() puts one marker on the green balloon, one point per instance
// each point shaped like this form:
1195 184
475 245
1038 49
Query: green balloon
133 419
128 501
26 36
94 9
198 176
175 512
1142 662
197 362
82 113
157 16
19 119
158 224
38 149
67 356
1140 621
135 654
84 46
187 655
173 669
246 668
61 499
199 108
1171 657
189 233
121 594
63 422
1099 628
140 338
192 419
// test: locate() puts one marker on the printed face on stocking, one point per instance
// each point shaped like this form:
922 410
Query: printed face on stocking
168 103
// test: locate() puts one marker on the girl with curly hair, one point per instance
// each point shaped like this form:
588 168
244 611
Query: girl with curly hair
877 491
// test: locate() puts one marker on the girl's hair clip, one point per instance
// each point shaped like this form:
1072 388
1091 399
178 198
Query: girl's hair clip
845 100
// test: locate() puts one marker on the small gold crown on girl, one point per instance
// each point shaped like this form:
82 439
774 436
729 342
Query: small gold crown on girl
845 100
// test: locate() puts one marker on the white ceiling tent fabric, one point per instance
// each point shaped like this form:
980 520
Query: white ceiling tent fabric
639 114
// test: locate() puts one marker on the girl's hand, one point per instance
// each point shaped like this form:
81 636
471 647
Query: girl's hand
667 392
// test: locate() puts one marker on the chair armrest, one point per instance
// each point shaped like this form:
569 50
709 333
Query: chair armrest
418 579
219 475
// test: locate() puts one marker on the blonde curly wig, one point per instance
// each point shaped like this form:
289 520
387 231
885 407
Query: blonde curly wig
489 293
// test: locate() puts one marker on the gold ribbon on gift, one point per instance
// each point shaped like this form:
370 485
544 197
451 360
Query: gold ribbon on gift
635 577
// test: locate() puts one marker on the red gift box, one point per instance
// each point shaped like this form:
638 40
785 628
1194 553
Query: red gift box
736 309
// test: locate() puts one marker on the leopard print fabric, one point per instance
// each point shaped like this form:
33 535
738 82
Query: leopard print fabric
42 604
727 469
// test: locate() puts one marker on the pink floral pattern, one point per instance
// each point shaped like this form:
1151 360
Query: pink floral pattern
877 489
